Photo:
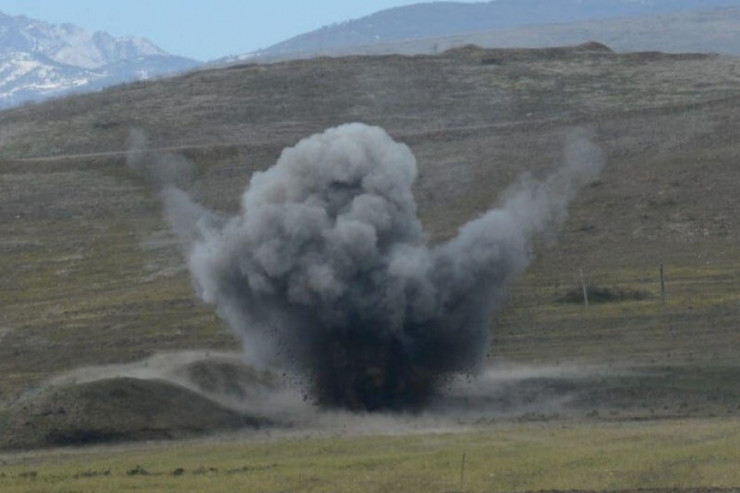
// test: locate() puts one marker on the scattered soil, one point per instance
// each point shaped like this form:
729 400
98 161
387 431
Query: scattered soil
229 395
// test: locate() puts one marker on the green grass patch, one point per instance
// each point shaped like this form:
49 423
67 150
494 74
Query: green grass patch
517 457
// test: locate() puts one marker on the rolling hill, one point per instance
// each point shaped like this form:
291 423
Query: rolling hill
702 31
91 275
441 19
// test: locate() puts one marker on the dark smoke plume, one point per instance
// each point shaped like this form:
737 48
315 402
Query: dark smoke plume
326 269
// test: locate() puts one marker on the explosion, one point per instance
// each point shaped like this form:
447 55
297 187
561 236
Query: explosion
326 269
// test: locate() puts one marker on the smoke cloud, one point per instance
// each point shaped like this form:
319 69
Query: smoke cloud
326 270
168 173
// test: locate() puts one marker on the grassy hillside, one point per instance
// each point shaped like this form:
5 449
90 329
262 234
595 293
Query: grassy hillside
90 273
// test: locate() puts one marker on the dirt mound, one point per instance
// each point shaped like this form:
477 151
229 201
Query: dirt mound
114 409
594 46
494 56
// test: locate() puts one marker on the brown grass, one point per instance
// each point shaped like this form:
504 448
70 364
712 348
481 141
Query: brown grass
90 274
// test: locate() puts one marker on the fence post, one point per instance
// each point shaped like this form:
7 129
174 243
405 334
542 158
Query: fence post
462 472
585 289
662 284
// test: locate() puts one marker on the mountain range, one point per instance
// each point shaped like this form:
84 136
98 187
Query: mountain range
40 60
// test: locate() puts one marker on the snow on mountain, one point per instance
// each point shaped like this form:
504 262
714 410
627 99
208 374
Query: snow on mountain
24 76
40 60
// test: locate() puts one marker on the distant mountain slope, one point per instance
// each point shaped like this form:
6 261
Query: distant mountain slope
702 31
40 60
436 19
705 31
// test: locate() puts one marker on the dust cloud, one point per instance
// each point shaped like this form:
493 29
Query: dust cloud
326 271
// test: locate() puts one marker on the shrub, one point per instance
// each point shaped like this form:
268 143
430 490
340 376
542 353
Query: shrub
598 294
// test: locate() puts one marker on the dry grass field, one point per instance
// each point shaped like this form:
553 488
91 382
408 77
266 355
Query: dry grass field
90 274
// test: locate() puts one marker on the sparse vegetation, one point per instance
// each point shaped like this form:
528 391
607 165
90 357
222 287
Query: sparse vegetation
90 274
598 294
673 455
86 259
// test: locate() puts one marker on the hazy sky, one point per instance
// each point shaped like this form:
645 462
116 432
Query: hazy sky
202 29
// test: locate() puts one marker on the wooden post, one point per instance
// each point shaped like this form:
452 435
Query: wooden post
662 284
462 472
585 289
